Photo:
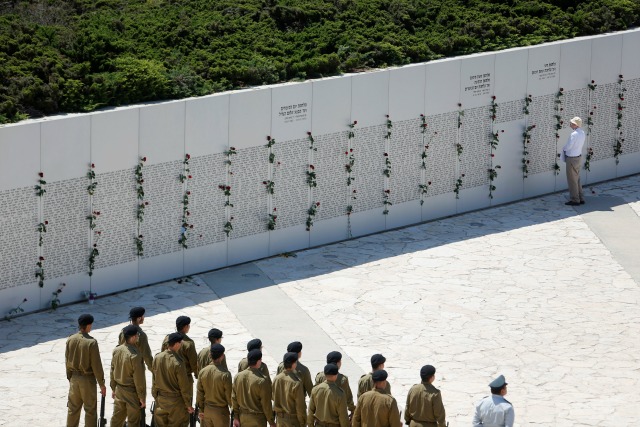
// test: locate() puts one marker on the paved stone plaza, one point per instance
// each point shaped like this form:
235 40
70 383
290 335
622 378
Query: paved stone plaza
544 293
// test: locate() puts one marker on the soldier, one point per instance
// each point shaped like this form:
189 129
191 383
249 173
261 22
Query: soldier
251 395
495 410
335 357
255 344
288 395
301 371
171 388
136 315
188 350
424 402
328 403
214 390
128 382
204 357
84 368
376 408
366 382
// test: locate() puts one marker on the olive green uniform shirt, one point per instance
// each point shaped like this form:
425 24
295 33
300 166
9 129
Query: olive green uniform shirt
328 405
288 396
376 409
170 376
214 387
244 364
143 347
366 384
187 353
424 403
251 392
127 370
303 373
343 382
204 359
82 355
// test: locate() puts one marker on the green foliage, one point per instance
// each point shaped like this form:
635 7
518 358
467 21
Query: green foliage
79 55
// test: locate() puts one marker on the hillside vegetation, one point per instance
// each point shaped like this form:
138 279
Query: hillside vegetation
79 55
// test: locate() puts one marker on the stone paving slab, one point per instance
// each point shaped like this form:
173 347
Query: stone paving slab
528 290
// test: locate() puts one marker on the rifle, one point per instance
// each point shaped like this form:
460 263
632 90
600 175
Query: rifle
153 418
231 419
143 417
103 420
193 417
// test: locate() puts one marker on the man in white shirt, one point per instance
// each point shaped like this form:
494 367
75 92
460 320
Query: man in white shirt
495 410
572 156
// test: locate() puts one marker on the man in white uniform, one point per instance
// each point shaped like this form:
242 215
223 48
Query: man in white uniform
495 410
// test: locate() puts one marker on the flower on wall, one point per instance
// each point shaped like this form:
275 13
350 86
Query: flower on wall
526 140
493 109
40 186
142 204
311 214
91 188
186 226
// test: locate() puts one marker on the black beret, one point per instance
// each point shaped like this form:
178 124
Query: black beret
182 321
136 312
331 369
217 350
130 330
379 375
85 319
377 360
215 333
334 357
290 357
427 371
174 338
253 356
295 347
254 344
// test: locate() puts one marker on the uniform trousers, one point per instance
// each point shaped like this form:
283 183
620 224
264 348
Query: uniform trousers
286 420
171 412
415 423
126 406
82 392
248 419
216 416
573 166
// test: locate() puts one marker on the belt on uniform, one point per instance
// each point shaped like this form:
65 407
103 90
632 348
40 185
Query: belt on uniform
126 387
285 416
248 412
321 424
168 394
82 374
431 423
211 405
573 157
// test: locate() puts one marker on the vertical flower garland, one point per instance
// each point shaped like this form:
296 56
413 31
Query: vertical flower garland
459 150
142 204
527 102
226 189
55 299
460 114
386 172
311 182
424 185
493 109
587 160
92 218
617 146
458 186
526 140
557 107
351 161
184 178
41 228
270 184
493 173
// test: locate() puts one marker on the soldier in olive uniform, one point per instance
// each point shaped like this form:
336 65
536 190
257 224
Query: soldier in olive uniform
251 395
128 382
171 388
366 381
136 315
214 390
288 395
328 403
188 350
495 410
335 357
375 407
255 344
424 402
84 368
301 371
204 357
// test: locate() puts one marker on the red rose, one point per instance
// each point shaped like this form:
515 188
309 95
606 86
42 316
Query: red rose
561 89
40 174
561 109
346 153
317 203
93 165
493 97
46 223
493 155
463 175
459 104
593 81
41 258
502 131
146 203
351 150
621 99
355 122
98 233
97 212
620 76
274 209
140 236
231 219
435 133
24 300
232 148
95 245
188 213
190 177
222 186
387 191
144 159
387 116
386 155
268 138
421 115
591 113
188 193
309 133
619 108
594 107
191 226
311 167
264 182
188 156
429 183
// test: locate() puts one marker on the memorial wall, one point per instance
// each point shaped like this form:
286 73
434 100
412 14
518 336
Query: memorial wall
122 198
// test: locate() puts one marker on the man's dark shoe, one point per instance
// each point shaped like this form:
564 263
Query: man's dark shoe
572 203
582 202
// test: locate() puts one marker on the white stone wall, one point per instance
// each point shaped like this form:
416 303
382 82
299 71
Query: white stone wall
454 95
